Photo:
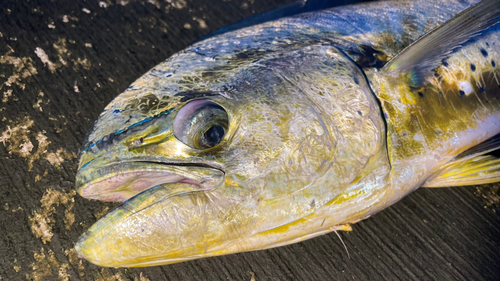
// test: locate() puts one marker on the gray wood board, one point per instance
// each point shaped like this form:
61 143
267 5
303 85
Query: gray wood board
61 62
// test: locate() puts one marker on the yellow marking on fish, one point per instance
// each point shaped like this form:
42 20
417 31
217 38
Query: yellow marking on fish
343 197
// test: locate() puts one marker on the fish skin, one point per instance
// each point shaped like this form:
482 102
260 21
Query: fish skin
318 137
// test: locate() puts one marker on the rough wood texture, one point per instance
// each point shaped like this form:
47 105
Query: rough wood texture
61 62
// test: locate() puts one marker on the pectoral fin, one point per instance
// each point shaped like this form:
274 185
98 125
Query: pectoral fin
343 227
483 148
476 170
416 62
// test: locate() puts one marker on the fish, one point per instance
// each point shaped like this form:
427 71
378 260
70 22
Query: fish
289 129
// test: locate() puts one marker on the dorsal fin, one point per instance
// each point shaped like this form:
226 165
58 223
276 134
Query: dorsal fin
417 60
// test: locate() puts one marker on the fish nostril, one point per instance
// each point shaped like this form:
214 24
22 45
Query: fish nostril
138 142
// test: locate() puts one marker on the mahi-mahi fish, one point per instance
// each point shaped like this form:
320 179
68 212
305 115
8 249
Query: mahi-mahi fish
293 128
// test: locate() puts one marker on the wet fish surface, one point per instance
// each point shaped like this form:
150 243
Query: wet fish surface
286 130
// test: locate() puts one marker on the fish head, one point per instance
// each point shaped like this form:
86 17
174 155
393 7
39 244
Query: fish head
214 153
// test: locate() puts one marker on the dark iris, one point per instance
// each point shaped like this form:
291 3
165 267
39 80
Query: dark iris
213 136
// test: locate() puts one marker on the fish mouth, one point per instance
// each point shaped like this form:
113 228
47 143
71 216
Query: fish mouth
121 181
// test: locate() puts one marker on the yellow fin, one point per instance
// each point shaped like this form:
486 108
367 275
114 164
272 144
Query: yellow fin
480 169
343 227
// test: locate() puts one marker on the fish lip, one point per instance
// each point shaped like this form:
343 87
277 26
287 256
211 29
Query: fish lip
214 166
95 188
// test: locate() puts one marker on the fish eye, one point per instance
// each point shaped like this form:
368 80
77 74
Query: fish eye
201 124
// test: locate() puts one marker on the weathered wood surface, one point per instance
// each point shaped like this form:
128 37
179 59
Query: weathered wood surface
61 62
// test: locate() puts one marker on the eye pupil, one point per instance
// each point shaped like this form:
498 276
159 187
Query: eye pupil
213 136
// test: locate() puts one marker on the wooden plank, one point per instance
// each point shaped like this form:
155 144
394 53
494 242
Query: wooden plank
61 62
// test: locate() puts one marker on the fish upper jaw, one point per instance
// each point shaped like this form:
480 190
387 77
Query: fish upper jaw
122 180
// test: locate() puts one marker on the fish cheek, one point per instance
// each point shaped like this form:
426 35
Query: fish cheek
281 146
302 164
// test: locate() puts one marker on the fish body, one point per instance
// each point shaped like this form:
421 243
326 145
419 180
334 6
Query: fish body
290 129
